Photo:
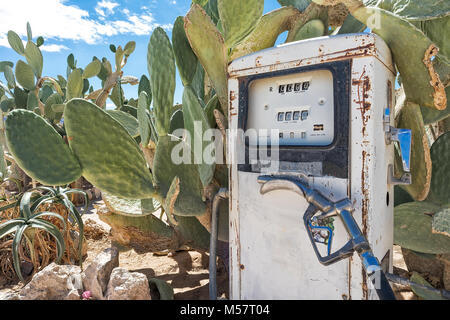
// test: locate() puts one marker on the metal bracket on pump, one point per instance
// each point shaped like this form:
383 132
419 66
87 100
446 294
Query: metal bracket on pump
343 209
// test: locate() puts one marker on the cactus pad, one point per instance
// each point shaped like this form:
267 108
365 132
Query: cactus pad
313 28
412 52
193 232
196 123
161 67
209 47
50 114
410 117
109 157
266 32
422 292
189 201
129 207
129 122
441 222
185 57
440 155
412 228
143 119
238 18
39 150
176 121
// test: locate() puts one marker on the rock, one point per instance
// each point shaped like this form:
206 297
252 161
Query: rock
93 230
96 275
54 282
125 285
9 295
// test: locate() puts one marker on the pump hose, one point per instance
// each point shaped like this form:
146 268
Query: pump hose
220 195
382 286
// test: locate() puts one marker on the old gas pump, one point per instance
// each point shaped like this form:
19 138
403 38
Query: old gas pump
311 151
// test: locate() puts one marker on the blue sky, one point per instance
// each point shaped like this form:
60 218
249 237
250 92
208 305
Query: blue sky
87 28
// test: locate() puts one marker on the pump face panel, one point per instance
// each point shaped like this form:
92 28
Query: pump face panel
312 122
327 98
299 105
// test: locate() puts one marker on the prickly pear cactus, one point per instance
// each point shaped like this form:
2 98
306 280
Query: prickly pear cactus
312 29
189 201
52 162
421 292
196 123
238 18
129 122
412 51
185 57
440 155
209 46
266 31
161 67
410 117
112 161
412 228
441 222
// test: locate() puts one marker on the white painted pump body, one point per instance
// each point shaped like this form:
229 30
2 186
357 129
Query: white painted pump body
271 256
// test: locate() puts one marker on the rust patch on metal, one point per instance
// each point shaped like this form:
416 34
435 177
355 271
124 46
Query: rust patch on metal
363 88
364 190
258 61
231 98
232 95
350 260
364 285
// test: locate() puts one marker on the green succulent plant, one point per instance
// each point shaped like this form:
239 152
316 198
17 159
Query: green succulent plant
30 220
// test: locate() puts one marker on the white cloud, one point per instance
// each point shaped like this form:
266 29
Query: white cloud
69 22
105 5
53 47
100 11
109 5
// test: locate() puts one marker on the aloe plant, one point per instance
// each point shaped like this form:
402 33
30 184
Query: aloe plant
29 220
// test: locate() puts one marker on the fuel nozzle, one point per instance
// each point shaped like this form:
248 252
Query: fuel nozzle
320 208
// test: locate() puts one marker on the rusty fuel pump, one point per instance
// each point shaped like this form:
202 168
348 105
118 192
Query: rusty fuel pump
313 118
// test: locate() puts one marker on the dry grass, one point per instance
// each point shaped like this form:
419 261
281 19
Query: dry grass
38 247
